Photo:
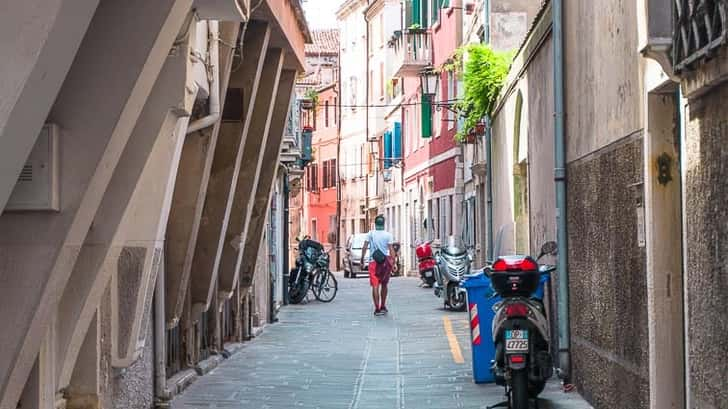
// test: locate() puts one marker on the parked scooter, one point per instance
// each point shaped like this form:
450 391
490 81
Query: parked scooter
426 263
453 264
523 360
311 272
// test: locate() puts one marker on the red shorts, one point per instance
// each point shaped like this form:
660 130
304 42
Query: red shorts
385 272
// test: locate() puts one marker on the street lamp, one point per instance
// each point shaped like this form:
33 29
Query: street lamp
429 81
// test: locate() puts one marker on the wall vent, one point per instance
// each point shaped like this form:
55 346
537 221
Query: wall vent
39 184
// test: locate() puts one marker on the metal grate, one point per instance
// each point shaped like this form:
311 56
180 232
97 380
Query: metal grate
701 27
174 351
26 175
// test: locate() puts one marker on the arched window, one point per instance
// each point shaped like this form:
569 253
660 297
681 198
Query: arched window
520 179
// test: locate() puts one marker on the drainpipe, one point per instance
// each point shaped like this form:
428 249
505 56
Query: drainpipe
214 100
286 249
160 352
489 188
366 96
338 161
560 179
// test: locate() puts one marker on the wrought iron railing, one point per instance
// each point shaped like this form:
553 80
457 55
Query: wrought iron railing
413 49
293 122
701 27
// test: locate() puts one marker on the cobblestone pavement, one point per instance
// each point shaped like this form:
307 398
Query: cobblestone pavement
339 355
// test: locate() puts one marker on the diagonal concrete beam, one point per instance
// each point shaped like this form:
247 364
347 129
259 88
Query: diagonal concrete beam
90 277
253 161
193 177
222 184
46 36
260 204
129 42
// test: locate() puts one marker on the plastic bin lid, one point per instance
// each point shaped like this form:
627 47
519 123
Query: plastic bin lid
475 280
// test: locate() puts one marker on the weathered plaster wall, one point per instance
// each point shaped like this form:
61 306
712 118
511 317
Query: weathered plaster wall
541 185
707 244
609 339
603 81
131 387
261 285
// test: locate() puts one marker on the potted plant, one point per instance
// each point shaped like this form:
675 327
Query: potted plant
480 128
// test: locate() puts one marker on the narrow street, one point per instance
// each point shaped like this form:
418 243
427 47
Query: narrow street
339 355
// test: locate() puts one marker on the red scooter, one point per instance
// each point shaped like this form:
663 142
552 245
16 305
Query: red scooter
426 263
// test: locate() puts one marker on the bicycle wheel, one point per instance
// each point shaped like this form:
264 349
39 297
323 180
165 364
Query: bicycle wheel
325 286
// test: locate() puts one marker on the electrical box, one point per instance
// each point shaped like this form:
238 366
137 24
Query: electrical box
38 187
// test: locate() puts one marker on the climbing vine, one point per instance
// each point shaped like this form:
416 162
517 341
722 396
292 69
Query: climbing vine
313 96
485 72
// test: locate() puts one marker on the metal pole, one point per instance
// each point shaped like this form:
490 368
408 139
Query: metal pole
286 244
560 179
338 162
489 189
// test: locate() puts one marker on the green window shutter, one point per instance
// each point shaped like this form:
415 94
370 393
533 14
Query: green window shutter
444 3
416 12
423 13
426 116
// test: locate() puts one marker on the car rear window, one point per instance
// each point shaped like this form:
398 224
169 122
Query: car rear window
358 240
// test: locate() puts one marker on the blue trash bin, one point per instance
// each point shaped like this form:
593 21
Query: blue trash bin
481 298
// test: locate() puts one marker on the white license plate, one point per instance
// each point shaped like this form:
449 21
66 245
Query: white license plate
428 273
516 341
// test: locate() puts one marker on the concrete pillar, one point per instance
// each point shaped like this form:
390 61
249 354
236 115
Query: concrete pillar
250 171
131 207
96 117
265 181
189 194
46 35
223 172
82 391
224 180
663 234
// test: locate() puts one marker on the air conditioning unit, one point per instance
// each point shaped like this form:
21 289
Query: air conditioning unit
38 187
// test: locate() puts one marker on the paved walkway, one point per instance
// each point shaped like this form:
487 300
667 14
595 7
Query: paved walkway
340 356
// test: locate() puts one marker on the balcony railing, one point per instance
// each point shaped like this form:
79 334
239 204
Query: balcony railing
701 27
413 50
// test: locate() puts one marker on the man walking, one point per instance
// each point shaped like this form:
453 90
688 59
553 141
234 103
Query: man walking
380 266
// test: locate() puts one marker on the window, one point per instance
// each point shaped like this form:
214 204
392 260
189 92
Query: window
326 114
334 173
381 30
381 80
450 210
336 109
371 83
314 234
329 171
314 177
451 95
325 171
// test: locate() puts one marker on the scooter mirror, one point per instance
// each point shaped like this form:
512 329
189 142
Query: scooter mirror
549 248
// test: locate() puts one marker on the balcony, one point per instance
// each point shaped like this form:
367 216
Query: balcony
701 28
413 52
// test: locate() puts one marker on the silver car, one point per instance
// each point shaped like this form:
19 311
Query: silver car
352 258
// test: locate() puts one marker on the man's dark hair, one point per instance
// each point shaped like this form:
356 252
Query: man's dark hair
379 220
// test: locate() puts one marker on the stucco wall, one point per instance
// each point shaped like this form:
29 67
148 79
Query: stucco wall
607 277
602 74
541 185
707 244
131 387
261 285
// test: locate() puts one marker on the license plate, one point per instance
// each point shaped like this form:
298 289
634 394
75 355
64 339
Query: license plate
516 341
428 273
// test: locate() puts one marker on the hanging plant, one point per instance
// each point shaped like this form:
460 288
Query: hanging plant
454 64
485 72
310 99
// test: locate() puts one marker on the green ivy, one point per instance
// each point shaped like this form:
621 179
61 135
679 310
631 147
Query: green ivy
485 72
313 96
